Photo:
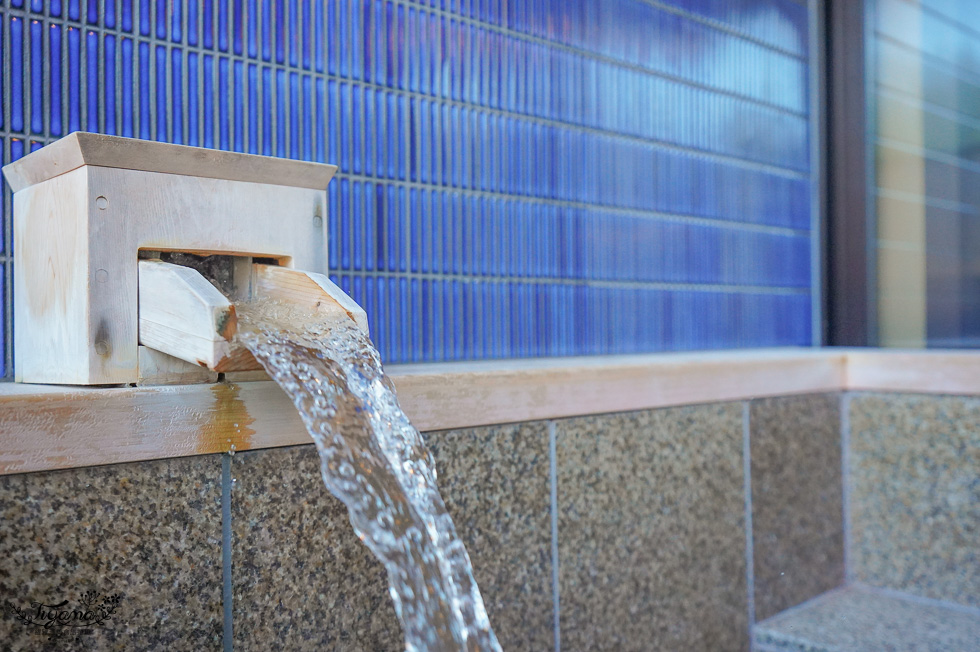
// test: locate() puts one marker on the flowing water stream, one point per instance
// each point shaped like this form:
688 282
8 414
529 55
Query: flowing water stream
374 460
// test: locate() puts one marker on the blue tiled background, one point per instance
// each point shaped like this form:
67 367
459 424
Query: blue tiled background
518 178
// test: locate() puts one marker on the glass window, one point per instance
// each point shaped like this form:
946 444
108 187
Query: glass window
926 127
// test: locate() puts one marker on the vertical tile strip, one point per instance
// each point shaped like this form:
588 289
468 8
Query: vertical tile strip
817 140
228 641
749 542
553 455
8 205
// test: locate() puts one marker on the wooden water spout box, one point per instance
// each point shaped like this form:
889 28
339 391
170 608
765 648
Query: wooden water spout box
87 205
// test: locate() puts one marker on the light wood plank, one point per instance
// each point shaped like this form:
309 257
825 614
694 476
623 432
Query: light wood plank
54 339
87 426
442 398
310 291
47 427
83 148
158 368
50 427
183 315
920 372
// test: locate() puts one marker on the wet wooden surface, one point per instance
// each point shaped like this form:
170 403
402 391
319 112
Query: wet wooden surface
48 427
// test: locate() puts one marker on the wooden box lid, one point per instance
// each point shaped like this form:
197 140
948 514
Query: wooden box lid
83 148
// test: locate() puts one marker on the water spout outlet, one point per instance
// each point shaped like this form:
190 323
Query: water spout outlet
183 315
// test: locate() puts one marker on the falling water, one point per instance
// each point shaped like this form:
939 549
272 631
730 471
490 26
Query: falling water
374 460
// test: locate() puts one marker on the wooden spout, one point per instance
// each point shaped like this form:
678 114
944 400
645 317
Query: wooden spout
315 292
183 315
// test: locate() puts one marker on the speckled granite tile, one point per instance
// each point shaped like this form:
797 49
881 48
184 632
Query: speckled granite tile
915 494
860 620
651 530
301 578
797 503
148 532
495 482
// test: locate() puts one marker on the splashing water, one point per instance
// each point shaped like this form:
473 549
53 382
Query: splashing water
374 460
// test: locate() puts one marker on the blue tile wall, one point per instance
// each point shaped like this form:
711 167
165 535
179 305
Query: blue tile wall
517 178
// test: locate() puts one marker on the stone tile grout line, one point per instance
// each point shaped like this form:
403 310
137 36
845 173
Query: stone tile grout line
227 630
553 473
747 488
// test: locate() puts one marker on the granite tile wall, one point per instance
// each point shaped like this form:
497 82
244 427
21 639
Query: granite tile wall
651 530
148 533
495 482
797 500
301 579
650 517
914 484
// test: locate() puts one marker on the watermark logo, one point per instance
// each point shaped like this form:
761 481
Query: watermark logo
92 610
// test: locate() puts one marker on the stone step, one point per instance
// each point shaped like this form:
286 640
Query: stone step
862 619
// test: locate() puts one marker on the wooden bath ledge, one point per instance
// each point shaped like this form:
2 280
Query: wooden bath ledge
51 427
